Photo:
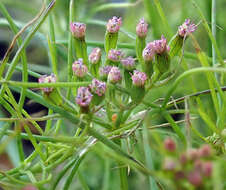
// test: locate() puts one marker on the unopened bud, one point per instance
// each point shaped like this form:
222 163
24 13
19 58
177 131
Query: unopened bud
205 151
47 79
95 56
114 24
98 87
149 52
195 178
128 63
170 145
79 69
193 154
78 29
139 78
207 168
114 75
114 55
160 46
142 28
104 71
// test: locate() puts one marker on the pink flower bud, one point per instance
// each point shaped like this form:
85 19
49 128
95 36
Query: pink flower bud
207 168
195 178
149 52
114 75
95 56
186 28
169 164
79 68
47 79
183 158
205 151
193 154
104 71
139 78
78 29
128 63
114 55
170 145
98 87
160 46
83 97
142 28
198 165
114 24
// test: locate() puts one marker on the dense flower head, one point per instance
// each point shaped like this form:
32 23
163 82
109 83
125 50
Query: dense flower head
195 178
160 46
114 24
205 151
95 56
79 68
114 75
47 79
98 87
104 71
139 78
186 28
83 97
128 63
149 52
114 55
170 145
142 28
78 29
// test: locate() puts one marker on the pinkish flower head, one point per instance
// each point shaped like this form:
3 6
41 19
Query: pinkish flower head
79 68
142 28
139 78
114 24
205 151
114 75
114 55
83 97
170 145
160 46
195 178
169 164
95 56
47 79
104 71
193 154
186 28
128 63
78 29
98 87
207 168
149 52
183 158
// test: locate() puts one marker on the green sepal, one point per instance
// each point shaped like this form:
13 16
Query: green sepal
110 41
54 97
147 67
96 100
162 63
128 78
176 45
137 93
94 68
140 45
81 49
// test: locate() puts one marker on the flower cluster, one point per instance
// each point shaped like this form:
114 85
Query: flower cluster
98 87
114 75
95 56
78 29
139 78
47 79
115 55
142 28
186 28
83 97
79 68
194 165
104 71
114 24
128 63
